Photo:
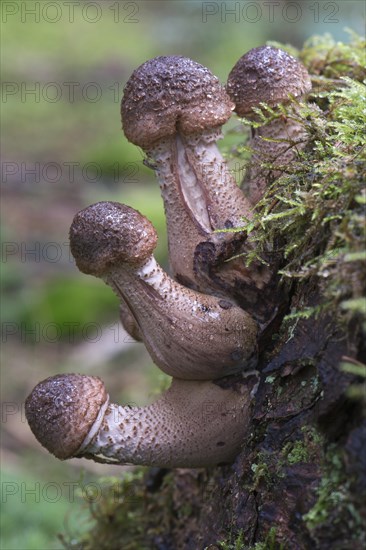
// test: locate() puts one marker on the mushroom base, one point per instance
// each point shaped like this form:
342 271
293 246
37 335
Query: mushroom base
193 425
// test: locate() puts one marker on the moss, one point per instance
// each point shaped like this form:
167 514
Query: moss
331 60
303 450
306 449
356 391
296 452
261 470
267 470
329 493
268 467
269 543
237 544
122 514
333 500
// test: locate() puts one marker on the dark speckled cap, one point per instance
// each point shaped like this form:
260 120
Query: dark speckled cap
109 233
169 93
266 74
62 409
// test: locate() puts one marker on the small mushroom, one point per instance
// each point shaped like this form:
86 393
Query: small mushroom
173 108
188 334
193 424
270 75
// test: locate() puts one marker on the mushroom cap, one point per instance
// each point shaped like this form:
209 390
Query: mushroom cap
169 93
109 233
62 409
266 74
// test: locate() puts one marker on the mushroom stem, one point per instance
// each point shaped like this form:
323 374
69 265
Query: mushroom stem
224 203
292 138
185 231
269 75
192 425
174 109
200 196
129 322
188 334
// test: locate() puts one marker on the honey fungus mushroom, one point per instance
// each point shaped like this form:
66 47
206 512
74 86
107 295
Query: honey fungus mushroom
173 108
193 424
269 75
188 334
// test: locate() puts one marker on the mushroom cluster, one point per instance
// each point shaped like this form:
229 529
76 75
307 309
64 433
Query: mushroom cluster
201 325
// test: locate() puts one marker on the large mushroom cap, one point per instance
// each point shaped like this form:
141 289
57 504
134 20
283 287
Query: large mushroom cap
108 233
171 92
266 74
62 409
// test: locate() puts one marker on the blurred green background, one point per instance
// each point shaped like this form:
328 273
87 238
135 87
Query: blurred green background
64 66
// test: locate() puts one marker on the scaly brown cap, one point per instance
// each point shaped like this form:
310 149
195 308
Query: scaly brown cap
109 233
62 409
266 74
169 93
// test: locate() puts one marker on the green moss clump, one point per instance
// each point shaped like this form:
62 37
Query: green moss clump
122 514
303 450
269 468
328 59
333 502
237 544
269 543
